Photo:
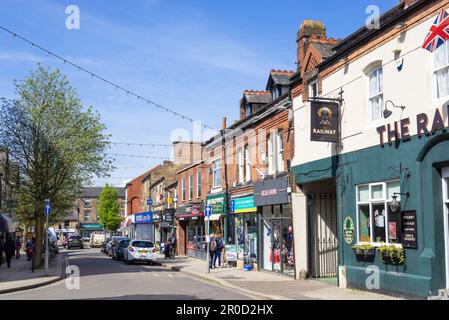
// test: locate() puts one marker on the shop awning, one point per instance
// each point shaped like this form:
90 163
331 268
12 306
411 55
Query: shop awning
187 216
213 217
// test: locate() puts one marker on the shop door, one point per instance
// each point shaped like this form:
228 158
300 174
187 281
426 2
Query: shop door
277 248
446 218
323 251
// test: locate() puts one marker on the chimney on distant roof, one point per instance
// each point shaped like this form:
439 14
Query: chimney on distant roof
308 31
223 123
408 3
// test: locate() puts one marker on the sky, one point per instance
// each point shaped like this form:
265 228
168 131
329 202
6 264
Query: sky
194 56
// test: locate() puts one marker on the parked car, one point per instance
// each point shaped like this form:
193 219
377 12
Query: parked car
113 244
104 246
86 238
120 249
97 239
75 242
140 251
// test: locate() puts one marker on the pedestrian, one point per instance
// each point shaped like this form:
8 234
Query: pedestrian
217 255
18 246
167 249
212 250
10 248
1 249
173 244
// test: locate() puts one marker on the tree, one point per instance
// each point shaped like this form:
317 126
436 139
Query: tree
57 144
109 209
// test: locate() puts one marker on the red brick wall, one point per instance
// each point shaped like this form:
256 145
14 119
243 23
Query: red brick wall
205 183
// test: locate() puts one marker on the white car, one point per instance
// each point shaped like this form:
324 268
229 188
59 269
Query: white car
140 250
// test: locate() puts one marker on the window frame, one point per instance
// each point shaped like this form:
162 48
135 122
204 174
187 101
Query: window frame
280 150
379 94
270 153
438 69
241 165
247 164
215 169
89 215
313 86
198 184
183 188
385 200
191 187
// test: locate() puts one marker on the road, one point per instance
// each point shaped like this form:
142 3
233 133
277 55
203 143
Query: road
103 278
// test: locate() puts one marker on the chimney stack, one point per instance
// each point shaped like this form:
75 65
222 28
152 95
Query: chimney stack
223 123
308 31
408 3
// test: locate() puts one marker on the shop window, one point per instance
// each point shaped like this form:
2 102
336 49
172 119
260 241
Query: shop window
376 97
377 223
441 71
216 173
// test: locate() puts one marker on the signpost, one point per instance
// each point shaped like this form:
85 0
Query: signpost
207 214
47 212
149 202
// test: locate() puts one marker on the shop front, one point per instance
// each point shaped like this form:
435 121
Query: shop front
218 221
244 220
157 218
167 224
191 232
142 228
86 229
275 226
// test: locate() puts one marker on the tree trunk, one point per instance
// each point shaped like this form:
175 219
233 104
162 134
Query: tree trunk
39 240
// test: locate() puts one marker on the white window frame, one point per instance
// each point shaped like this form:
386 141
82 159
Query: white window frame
247 164
377 95
89 215
385 201
438 69
183 189
198 184
216 169
240 155
248 107
190 186
445 182
313 86
270 153
85 201
280 159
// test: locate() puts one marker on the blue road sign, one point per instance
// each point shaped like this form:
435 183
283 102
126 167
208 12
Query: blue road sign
208 211
150 202
47 208
232 206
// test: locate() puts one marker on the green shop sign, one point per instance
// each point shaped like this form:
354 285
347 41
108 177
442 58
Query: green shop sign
217 202
91 226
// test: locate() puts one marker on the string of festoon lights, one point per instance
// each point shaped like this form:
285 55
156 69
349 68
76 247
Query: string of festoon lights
136 156
94 75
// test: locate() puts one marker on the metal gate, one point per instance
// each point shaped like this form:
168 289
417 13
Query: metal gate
323 235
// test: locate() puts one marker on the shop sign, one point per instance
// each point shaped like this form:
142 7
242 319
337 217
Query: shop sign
91 226
193 210
324 121
217 202
231 252
157 216
168 215
271 191
242 205
144 217
400 130
409 230
348 230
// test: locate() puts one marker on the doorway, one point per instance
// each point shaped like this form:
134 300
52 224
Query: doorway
445 176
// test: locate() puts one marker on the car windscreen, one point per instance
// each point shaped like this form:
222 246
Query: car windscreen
75 238
142 244
123 243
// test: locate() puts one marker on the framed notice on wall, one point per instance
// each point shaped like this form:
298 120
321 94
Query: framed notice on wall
409 229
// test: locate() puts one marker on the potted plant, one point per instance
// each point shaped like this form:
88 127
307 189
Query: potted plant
365 251
391 254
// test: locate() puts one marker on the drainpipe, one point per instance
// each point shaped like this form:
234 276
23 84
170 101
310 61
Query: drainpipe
224 166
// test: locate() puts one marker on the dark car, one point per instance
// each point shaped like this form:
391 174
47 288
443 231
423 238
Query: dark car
120 248
75 242
113 244
104 245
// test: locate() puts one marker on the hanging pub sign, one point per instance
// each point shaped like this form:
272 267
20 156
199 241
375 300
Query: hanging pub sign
324 121
409 230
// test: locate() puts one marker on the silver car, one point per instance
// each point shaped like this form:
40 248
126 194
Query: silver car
140 251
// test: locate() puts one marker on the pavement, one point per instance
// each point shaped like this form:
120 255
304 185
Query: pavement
268 285
20 277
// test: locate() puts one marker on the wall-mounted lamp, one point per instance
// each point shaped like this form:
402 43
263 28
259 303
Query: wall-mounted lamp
387 112
395 205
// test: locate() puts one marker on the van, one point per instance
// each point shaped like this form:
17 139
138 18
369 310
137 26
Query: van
97 239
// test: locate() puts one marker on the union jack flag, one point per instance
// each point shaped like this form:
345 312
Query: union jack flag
439 32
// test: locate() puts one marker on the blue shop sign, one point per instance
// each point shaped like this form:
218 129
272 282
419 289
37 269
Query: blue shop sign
144 217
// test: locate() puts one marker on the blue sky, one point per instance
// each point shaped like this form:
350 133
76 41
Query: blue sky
194 56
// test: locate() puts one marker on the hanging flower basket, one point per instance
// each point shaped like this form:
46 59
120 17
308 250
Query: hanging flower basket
364 252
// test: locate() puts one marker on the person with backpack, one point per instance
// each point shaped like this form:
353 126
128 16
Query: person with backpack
212 250
219 243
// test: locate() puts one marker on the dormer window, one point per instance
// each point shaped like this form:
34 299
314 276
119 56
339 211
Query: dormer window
248 110
276 92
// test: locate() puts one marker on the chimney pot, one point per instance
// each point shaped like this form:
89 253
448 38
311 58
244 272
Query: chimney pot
223 123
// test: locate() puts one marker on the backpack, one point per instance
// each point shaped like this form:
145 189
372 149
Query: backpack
219 244
213 246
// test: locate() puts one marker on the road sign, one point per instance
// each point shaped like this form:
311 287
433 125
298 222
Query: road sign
208 211
232 206
47 207
150 202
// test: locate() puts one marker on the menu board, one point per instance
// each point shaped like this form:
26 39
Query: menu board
409 230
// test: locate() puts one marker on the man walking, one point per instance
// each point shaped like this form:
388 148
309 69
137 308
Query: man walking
219 243
9 250
173 245
212 250
18 246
